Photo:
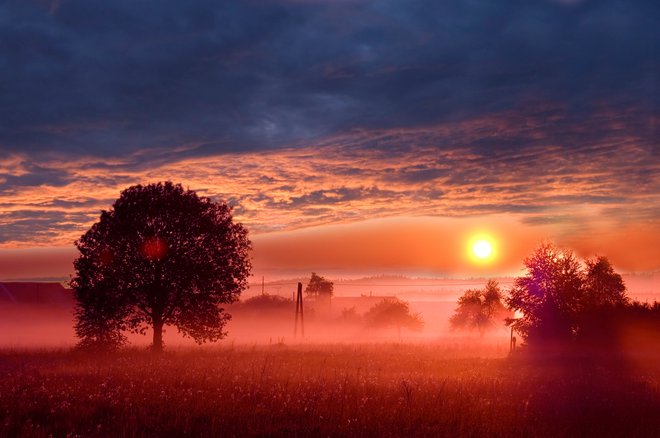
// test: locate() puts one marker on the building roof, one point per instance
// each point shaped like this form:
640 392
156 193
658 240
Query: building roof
50 294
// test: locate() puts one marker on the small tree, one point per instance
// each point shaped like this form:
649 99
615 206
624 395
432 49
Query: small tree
319 287
392 312
161 255
480 309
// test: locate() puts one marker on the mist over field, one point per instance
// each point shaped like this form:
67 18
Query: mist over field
34 322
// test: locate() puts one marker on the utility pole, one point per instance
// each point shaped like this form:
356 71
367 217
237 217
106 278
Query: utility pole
299 312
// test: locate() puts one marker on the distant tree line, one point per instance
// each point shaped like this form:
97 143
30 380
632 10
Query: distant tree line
388 313
265 304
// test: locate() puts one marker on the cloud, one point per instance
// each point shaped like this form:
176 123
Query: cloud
305 114
373 174
118 77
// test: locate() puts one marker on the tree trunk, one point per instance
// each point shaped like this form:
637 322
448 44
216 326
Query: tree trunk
157 345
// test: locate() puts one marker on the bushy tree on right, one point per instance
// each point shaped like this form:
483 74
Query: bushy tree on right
560 300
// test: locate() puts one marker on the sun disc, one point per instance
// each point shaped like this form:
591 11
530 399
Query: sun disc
482 249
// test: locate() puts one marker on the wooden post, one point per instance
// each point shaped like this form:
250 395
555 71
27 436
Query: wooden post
299 312
512 342
302 319
512 339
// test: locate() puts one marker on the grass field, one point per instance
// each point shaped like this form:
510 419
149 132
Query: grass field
326 390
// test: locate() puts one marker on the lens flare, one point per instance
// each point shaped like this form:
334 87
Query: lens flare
154 248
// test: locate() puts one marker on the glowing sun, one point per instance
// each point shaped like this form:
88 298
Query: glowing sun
482 249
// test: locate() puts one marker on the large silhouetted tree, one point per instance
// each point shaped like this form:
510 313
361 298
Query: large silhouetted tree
561 301
549 296
161 255
480 309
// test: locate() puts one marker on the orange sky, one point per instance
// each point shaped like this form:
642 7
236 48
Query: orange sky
424 246
341 206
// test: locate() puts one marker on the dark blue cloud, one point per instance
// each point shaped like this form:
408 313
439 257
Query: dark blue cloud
87 76
339 195
35 176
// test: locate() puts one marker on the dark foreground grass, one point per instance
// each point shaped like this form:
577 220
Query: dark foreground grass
361 390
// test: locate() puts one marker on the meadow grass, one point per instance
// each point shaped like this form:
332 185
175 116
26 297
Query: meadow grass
323 390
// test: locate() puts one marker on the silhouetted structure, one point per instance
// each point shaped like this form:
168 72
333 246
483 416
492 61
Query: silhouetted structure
299 313
50 294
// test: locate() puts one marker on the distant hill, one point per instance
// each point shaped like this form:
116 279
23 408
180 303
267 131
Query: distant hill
425 289
643 287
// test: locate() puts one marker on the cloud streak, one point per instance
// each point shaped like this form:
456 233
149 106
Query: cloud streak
606 186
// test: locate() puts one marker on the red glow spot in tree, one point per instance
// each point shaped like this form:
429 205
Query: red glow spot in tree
154 248
106 257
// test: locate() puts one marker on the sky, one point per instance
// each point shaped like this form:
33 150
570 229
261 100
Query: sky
350 136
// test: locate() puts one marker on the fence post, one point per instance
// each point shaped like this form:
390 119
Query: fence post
299 313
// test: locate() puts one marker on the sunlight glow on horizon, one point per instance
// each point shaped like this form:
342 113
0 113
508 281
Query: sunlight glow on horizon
481 249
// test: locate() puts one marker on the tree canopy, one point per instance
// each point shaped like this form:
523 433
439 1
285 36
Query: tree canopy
602 285
558 297
480 309
161 255
392 312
